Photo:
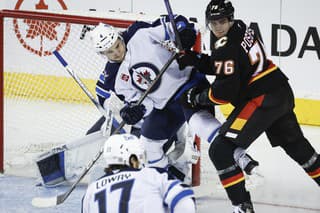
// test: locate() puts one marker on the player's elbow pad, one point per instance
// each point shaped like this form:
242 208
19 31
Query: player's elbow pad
185 206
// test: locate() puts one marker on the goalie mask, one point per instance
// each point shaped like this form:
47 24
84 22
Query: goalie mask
119 148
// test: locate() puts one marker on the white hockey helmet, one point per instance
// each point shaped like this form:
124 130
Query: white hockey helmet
103 37
120 147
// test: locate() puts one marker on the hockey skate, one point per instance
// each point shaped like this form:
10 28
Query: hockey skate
245 207
245 161
252 165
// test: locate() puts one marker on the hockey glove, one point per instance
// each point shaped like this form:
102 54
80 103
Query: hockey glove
187 34
132 114
189 58
189 98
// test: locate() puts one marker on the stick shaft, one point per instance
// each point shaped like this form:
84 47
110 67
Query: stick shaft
175 30
80 83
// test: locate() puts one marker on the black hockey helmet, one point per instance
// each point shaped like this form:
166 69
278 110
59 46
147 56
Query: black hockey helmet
218 9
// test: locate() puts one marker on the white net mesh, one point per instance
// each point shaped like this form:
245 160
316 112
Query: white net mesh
43 105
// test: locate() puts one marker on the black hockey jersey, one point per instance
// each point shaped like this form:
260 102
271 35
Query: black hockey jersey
241 67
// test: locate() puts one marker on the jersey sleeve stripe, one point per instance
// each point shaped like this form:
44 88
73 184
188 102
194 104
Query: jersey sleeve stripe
101 78
170 187
180 196
102 92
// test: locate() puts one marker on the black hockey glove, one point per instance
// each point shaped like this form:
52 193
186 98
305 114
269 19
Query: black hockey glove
187 34
132 114
189 58
189 98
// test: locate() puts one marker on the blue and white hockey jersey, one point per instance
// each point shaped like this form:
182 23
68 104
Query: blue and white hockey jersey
159 31
144 59
137 191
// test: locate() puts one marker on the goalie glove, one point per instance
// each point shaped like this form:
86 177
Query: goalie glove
132 114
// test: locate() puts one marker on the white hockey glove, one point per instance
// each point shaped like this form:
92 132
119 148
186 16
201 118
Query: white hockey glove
169 45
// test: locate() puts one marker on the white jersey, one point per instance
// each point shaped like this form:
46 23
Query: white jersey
144 59
137 191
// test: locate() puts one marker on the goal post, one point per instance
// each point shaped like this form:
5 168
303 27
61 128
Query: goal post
41 105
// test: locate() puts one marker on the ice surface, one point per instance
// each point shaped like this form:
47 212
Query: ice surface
285 187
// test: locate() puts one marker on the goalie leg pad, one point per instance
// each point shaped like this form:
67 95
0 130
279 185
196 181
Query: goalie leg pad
52 169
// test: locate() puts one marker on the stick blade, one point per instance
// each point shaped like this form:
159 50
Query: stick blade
44 202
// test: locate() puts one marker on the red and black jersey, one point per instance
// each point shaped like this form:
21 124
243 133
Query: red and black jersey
242 69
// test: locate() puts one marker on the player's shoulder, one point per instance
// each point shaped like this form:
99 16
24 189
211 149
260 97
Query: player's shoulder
111 68
158 172
236 32
133 29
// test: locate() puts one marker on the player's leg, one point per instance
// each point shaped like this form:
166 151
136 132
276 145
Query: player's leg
242 127
286 132
185 153
158 127
209 127
155 136
231 176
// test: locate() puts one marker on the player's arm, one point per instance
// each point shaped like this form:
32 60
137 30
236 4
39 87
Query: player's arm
85 203
223 90
102 92
185 206
178 197
202 62
106 82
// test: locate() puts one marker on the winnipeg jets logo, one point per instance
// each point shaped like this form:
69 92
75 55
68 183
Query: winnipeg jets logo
143 74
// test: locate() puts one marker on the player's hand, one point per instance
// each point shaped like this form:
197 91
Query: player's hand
189 98
187 34
188 58
132 114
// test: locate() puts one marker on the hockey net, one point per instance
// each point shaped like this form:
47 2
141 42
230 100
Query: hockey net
42 105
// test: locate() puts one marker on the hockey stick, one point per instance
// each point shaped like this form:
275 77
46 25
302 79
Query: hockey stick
175 30
80 83
43 202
